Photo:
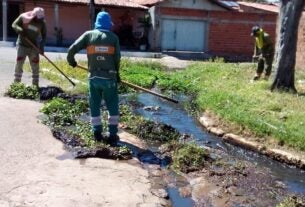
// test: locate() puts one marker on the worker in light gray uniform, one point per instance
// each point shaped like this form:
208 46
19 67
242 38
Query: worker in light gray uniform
103 53
263 51
30 25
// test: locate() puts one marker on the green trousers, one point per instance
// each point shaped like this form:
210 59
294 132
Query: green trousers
104 89
265 63
33 55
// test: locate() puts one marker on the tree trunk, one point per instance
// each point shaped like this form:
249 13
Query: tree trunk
287 35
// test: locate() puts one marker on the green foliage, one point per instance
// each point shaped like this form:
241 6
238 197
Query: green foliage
189 157
84 131
21 91
145 21
81 76
146 129
226 89
62 112
291 202
176 82
124 150
140 73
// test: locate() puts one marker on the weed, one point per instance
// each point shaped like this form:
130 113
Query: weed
292 201
61 112
21 91
190 157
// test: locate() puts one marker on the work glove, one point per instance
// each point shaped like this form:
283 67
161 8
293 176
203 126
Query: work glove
73 64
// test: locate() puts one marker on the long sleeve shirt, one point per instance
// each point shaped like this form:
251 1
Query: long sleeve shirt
263 44
35 31
103 52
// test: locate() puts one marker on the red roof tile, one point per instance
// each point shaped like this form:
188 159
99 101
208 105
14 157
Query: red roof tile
73 1
147 2
121 3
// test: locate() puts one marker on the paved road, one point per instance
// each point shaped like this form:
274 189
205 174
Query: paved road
33 168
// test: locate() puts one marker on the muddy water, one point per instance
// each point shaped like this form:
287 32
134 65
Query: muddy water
174 115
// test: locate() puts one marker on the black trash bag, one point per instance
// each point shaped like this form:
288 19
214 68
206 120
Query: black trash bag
49 92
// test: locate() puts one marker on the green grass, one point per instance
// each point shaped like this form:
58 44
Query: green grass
78 76
226 90
223 88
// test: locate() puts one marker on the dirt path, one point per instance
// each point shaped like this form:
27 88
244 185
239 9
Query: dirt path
33 169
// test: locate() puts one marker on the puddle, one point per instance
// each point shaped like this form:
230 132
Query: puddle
174 115
177 200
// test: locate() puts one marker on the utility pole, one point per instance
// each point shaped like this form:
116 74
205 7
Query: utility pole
4 20
92 13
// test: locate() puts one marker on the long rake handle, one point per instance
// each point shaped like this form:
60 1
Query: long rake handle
140 88
38 50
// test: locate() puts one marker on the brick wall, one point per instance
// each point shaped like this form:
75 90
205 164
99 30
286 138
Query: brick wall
74 19
300 59
229 32
184 12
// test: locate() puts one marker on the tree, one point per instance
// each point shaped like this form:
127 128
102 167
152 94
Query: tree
286 45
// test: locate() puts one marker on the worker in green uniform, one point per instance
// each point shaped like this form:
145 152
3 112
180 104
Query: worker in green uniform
263 51
30 25
103 53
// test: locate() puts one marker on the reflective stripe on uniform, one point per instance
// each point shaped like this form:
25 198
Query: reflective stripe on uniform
100 49
95 121
113 120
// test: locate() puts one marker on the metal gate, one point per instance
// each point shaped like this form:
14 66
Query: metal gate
185 35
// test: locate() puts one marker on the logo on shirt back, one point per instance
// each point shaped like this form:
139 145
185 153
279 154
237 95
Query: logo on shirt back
100 49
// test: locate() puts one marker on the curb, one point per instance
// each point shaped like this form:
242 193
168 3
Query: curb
275 154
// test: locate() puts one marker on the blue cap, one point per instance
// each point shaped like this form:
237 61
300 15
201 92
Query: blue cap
103 21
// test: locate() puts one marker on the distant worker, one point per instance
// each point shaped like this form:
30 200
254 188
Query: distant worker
30 25
263 52
103 52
